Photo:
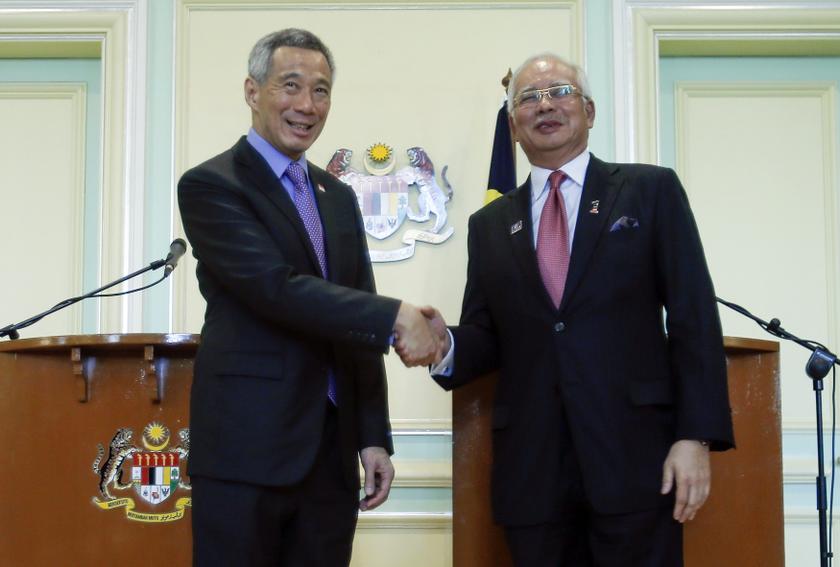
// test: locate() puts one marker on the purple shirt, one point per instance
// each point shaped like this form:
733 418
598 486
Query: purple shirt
278 162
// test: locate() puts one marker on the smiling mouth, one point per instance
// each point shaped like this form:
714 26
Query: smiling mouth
548 125
299 126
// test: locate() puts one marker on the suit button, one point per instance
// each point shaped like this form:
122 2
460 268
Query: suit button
560 326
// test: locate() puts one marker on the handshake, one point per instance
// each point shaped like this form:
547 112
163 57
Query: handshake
420 335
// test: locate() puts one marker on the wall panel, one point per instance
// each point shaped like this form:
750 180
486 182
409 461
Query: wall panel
42 184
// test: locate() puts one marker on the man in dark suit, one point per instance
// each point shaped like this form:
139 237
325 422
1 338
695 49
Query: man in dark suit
602 422
289 389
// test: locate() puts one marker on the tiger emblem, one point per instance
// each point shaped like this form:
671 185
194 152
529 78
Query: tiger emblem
432 199
111 472
339 166
183 449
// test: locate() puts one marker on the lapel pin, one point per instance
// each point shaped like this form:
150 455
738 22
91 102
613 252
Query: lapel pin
516 227
595 204
321 188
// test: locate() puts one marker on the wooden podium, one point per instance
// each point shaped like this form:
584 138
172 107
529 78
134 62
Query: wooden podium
742 523
60 399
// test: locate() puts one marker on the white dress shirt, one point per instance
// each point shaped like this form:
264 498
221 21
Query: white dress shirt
571 189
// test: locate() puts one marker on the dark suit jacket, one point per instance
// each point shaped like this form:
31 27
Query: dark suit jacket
602 361
274 328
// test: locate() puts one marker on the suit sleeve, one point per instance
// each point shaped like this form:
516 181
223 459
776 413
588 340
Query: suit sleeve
475 339
233 244
695 339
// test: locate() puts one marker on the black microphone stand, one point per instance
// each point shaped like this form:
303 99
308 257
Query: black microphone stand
817 367
12 330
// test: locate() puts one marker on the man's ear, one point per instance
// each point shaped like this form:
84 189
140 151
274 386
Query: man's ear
512 126
252 93
589 109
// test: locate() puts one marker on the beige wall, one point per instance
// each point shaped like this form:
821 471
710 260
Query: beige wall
42 207
397 82
772 188
428 74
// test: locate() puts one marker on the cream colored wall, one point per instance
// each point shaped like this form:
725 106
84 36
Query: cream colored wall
42 207
803 285
403 79
767 212
407 75
398 81
766 147
115 26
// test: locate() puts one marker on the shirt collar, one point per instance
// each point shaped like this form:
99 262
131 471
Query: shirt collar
575 170
277 160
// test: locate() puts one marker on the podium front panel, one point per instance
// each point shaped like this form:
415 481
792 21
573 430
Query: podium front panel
742 522
95 434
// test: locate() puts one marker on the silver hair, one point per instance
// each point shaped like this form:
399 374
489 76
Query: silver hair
581 81
260 59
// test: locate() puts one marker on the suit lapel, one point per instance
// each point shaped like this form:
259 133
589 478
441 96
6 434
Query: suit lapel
522 240
602 185
266 182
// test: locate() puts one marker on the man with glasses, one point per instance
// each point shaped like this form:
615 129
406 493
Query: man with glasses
602 422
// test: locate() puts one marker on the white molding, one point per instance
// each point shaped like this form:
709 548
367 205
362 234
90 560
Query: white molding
826 92
174 218
801 515
641 25
422 426
623 64
114 23
133 222
405 520
76 93
333 6
420 473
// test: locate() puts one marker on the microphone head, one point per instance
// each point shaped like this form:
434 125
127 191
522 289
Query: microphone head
177 249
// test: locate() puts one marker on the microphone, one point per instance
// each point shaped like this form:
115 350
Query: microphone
177 249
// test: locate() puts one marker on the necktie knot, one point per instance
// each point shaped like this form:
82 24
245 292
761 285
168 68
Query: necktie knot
556 179
297 175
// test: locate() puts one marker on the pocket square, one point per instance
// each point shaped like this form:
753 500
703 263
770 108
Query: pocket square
624 222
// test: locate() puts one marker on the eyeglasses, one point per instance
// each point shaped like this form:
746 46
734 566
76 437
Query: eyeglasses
534 96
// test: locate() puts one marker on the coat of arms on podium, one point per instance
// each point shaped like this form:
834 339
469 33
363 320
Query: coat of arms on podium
154 471
387 197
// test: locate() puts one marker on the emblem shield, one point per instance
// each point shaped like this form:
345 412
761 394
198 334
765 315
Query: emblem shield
383 201
155 475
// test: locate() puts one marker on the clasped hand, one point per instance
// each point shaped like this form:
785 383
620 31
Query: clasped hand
421 338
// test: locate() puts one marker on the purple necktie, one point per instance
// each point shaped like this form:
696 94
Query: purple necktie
305 203
553 240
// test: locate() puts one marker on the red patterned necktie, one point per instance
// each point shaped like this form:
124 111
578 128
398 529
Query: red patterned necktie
553 240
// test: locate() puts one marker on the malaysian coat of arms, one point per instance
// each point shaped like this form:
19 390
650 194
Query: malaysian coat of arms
153 471
388 197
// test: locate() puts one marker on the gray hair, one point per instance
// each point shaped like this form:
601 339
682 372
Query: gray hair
260 59
579 76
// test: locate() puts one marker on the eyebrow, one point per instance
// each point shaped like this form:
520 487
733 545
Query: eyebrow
298 75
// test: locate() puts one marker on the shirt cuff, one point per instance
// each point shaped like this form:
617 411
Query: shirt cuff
444 367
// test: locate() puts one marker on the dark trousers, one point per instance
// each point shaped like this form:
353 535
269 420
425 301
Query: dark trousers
584 538
642 539
310 524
